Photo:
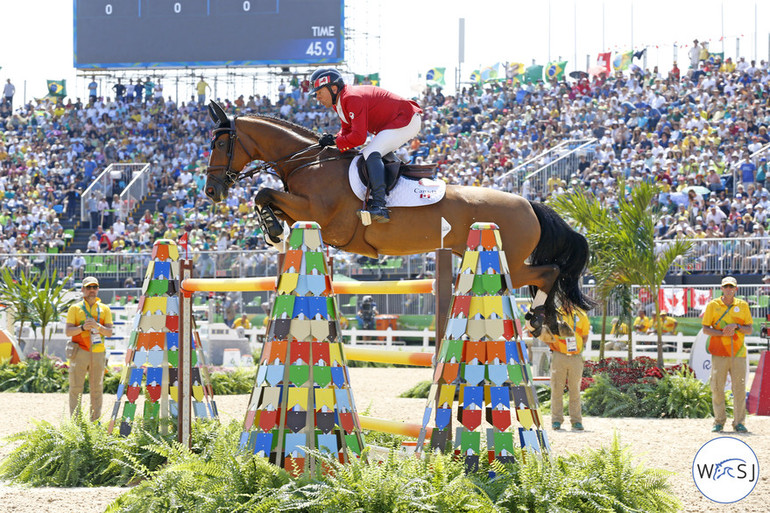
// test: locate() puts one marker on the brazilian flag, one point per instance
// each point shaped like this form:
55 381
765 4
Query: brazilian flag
555 70
435 77
372 78
57 88
476 77
715 57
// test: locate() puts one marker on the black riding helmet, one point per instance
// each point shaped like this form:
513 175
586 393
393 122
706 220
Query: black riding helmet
327 77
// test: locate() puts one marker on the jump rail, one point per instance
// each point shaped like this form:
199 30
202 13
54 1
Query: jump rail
393 427
424 286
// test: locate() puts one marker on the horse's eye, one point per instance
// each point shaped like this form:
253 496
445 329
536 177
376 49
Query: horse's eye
221 145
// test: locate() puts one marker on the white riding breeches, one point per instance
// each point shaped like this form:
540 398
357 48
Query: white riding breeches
391 140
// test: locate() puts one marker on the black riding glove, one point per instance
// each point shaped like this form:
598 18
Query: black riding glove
327 140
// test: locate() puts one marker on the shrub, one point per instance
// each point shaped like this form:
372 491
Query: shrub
36 375
83 453
681 395
233 382
622 373
419 391
674 393
224 480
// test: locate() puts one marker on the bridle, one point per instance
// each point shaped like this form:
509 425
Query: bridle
266 166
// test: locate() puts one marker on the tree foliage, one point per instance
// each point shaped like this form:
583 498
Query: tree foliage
622 241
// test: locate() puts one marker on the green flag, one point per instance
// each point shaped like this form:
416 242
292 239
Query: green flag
533 74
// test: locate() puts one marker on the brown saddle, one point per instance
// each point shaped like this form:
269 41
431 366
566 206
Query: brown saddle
395 169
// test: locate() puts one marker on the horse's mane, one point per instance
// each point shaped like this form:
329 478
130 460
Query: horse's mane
286 123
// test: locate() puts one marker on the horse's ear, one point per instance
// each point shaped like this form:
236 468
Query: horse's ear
220 112
212 114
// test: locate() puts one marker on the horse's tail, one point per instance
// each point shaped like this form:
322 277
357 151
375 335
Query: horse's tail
561 245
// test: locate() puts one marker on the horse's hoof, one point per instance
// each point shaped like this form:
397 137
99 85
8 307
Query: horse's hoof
554 325
565 331
547 336
535 320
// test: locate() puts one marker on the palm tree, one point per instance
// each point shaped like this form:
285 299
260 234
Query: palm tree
38 300
623 245
642 261
622 294
598 224
15 297
49 302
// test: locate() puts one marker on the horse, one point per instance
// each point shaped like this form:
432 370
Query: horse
316 188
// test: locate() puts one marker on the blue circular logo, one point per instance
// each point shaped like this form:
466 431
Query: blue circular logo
725 469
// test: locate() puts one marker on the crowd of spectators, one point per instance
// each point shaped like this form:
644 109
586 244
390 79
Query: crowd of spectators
693 132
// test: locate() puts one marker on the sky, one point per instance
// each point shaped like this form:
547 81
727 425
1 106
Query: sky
402 39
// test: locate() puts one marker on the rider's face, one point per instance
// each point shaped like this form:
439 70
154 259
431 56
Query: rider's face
324 97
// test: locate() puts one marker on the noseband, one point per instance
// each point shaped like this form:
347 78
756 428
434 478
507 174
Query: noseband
232 176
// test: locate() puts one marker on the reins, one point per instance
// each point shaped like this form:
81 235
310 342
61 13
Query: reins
266 166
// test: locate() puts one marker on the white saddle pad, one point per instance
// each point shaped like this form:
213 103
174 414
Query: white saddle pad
406 193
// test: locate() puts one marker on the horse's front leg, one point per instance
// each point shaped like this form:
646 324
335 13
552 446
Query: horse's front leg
268 201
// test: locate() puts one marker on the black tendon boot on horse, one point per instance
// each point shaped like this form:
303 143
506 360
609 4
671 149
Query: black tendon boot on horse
376 206
270 225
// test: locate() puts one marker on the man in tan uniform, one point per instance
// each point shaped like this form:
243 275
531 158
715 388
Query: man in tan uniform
88 322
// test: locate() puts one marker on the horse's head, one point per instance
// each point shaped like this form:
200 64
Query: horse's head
227 159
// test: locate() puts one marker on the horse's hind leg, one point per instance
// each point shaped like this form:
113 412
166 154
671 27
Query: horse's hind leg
543 311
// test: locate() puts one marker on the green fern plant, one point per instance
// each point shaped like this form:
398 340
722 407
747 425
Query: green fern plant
419 391
81 453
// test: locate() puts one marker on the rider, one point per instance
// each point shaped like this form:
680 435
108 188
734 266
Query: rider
365 109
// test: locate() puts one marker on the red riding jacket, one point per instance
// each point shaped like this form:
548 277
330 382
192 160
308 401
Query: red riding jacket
370 109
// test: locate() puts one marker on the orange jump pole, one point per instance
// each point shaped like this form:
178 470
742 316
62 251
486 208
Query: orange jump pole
424 286
393 427
415 359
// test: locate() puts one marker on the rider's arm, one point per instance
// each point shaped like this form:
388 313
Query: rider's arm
354 132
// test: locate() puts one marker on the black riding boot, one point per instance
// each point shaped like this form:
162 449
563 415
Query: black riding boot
376 205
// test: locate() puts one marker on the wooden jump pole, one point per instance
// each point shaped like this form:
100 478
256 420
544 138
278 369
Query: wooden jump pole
424 286
184 399
415 359
393 427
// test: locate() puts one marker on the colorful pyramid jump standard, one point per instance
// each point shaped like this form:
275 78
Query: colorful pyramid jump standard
484 356
302 395
152 357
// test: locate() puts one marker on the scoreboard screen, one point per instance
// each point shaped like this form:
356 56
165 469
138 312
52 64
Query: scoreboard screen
183 33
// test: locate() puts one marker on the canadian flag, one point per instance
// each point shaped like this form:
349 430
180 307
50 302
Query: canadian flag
672 300
699 299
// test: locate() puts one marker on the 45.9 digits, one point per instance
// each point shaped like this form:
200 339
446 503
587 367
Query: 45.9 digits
319 49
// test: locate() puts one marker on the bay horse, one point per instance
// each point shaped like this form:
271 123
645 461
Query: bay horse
316 188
